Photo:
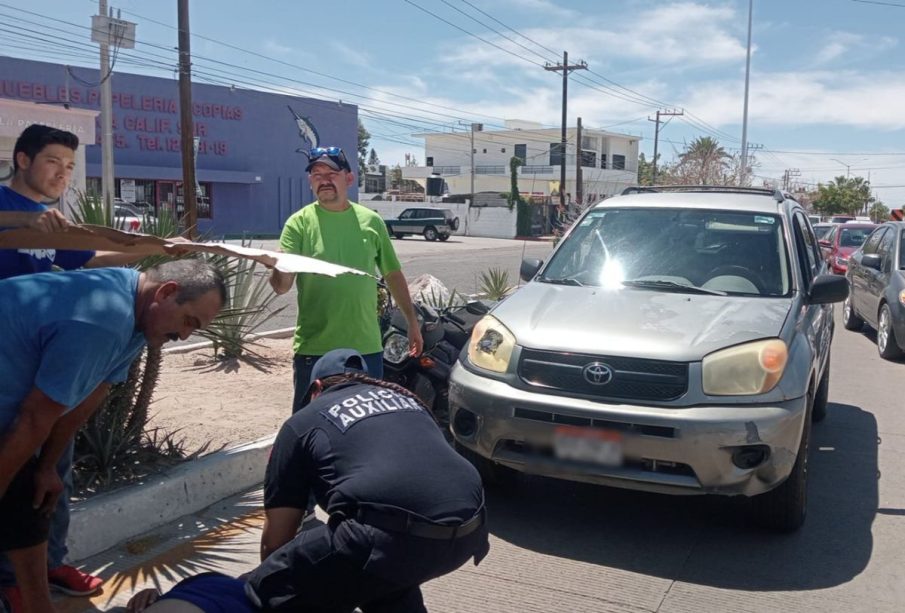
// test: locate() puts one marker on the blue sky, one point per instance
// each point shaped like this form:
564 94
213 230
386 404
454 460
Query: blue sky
827 76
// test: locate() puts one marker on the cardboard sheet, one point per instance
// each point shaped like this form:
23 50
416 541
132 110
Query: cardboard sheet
100 238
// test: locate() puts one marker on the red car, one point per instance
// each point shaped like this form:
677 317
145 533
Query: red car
842 241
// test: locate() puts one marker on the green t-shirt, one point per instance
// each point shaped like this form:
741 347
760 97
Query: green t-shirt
335 312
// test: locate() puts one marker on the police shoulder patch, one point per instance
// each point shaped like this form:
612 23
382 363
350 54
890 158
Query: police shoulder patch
353 409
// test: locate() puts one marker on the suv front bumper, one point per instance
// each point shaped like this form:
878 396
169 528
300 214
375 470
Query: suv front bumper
667 449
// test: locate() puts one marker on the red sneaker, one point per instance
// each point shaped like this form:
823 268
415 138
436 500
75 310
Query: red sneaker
10 599
72 581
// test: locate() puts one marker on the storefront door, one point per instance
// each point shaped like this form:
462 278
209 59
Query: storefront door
166 197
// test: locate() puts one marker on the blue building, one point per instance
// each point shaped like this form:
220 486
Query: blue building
250 162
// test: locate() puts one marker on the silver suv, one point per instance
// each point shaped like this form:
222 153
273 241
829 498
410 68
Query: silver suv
676 341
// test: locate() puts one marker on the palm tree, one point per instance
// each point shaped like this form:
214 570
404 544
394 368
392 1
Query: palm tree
704 162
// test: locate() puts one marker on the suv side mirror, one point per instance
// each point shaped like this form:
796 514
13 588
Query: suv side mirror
827 289
529 268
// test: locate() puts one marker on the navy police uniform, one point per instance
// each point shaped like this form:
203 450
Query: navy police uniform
404 506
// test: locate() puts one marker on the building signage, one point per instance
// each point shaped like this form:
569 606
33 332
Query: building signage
137 123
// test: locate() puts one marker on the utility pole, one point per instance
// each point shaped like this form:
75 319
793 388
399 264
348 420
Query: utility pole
566 69
672 113
107 30
787 177
187 127
579 192
107 187
744 160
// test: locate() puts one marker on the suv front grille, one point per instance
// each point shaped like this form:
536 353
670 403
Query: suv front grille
632 378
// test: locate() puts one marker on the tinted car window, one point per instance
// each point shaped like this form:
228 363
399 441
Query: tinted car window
822 232
807 248
901 250
739 253
873 241
885 250
853 237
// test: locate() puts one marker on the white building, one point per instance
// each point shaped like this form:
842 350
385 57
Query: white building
609 161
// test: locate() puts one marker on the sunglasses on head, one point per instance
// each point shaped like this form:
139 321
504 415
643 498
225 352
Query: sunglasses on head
334 153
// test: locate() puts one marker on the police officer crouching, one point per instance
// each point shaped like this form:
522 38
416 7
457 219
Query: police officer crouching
404 506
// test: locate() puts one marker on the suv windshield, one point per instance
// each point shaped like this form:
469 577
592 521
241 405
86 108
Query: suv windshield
681 250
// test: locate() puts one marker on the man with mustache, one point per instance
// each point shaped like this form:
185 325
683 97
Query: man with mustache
341 311
43 161
67 337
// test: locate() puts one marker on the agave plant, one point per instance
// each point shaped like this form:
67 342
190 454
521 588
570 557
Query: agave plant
107 446
495 284
250 297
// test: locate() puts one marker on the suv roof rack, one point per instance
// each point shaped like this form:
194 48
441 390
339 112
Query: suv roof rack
776 194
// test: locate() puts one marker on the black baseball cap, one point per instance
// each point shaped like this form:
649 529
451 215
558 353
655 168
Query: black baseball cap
332 363
331 156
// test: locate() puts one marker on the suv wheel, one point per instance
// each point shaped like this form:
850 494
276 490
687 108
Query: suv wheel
453 223
784 508
398 235
430 233
443 237
850 319
887 344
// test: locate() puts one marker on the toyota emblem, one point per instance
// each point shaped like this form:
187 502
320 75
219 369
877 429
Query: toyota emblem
597 373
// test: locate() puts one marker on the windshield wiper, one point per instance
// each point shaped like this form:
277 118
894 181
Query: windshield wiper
563 281
671 286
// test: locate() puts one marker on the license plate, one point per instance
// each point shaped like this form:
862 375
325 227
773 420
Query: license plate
602 447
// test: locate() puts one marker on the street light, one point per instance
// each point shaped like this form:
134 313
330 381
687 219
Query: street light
848 167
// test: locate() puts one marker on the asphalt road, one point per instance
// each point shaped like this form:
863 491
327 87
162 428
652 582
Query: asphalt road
573 547
570 547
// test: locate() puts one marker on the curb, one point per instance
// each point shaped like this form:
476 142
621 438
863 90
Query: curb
279 333
107 520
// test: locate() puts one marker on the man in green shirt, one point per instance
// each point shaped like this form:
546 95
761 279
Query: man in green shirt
341 311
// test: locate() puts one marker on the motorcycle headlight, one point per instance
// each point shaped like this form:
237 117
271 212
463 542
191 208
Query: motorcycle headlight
395 348
841 261
752 368
491 345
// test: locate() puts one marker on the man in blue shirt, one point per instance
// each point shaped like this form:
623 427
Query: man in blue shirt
43 161
66 338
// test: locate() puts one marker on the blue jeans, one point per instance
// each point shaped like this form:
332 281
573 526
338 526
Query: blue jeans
302 365
59 524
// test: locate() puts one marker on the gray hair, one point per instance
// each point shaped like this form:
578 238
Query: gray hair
195 278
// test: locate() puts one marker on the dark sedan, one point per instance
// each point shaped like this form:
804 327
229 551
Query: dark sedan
876 277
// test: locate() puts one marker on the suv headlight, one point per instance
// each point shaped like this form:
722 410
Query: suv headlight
396 348
752 368
491 345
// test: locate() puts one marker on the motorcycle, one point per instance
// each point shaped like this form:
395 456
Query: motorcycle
445 332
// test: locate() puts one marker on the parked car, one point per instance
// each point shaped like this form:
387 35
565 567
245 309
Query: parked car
841 242
674 342
841 218
876 278
130 218
433 224
822 229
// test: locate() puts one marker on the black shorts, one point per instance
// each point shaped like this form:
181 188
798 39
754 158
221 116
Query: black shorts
22 526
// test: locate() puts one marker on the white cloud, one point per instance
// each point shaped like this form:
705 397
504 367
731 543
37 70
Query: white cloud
867 100
273 47
352 56
543 6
